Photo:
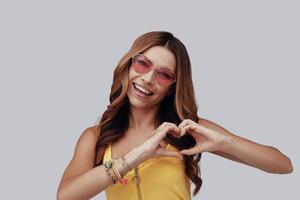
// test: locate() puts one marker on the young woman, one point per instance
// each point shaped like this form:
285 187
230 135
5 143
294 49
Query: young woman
149 141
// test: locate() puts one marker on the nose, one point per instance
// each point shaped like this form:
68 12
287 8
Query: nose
148 77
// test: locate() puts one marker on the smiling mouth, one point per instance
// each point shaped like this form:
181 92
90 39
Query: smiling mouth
142 90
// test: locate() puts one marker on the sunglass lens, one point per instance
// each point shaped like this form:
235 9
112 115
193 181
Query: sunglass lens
141 65
164 77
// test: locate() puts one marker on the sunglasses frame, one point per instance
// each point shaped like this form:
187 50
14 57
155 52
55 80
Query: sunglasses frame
139 54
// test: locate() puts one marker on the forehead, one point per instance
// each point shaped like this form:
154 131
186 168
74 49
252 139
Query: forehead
161 56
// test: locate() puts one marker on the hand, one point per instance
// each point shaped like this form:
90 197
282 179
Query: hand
207 140
152 146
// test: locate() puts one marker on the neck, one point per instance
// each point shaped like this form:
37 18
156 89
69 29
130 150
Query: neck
142 119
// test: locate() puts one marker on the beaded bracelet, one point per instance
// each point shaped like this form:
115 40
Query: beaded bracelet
108 165
114 173
122 161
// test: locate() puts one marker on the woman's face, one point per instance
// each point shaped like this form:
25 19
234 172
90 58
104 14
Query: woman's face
139 83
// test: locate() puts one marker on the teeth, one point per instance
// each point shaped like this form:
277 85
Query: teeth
142 89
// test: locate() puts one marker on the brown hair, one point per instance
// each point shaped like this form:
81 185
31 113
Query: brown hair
179 105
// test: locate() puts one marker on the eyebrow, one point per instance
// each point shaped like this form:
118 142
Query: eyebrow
159 66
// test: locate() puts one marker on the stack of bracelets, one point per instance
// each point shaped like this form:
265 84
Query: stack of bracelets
115 174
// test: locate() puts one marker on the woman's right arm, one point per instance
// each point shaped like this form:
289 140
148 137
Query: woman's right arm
81 180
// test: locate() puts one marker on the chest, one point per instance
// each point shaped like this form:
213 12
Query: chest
129 141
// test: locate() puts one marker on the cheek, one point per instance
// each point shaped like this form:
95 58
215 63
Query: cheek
132 74
162 91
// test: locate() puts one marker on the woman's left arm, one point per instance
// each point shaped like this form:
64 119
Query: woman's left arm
213 138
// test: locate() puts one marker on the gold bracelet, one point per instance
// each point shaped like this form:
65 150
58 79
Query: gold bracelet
124 163
116 172
112 167
124 168
111 172
120 164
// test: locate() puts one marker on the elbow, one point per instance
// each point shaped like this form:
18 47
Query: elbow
285 168
289 167
60 195
285 165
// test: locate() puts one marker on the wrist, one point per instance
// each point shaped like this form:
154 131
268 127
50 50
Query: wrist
121 166
133 157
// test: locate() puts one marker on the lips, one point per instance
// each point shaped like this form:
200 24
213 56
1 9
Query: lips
142 89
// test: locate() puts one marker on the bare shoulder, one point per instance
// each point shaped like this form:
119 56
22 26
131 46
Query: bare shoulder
96 130
88 135
84 154
92 131
86 144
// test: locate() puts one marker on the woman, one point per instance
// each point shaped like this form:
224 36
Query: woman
149 140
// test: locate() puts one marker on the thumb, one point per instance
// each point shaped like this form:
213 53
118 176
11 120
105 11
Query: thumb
187 152
191 151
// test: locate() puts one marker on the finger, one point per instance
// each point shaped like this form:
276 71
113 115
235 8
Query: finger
161 133
174 130
186 122
166 124
163 144
187 128
183 123
193 150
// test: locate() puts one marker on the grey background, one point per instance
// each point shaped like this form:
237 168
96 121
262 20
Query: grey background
57 59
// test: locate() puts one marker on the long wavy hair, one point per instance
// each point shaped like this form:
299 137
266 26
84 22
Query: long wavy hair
179 105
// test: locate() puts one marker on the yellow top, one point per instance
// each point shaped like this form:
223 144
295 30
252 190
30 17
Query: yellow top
161 178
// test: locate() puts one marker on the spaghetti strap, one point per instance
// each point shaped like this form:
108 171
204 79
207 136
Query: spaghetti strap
107 153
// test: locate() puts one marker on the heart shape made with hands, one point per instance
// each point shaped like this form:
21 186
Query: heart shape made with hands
207 139
183 128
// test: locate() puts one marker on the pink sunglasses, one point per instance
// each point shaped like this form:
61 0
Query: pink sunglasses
163 75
